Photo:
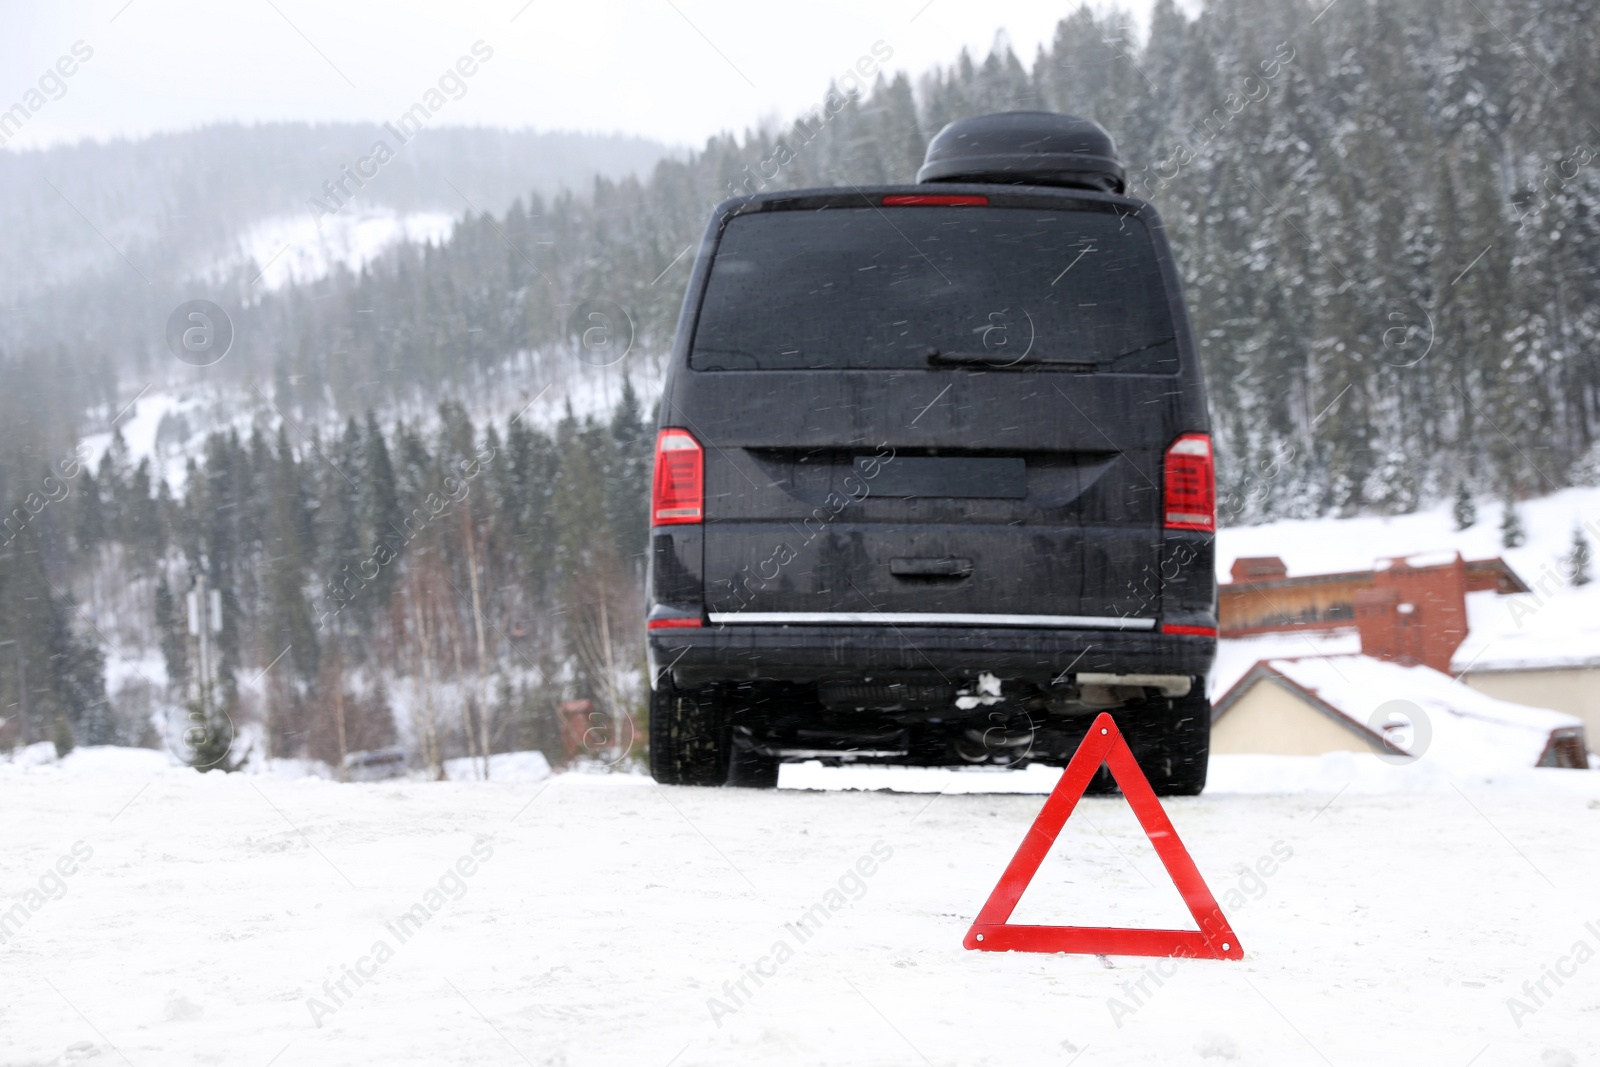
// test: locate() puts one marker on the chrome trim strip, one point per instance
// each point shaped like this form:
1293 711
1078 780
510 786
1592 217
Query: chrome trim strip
929 618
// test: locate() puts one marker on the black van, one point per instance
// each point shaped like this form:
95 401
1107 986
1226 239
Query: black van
933 479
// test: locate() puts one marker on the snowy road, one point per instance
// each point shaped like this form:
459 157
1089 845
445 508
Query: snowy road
210 919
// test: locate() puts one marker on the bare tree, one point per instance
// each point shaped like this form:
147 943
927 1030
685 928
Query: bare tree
481 697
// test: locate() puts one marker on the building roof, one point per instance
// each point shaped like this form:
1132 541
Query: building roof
1263 598
1236 655
1463 728
1531 631
1270 572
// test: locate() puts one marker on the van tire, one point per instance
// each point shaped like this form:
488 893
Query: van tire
688 739
1175 744
752 770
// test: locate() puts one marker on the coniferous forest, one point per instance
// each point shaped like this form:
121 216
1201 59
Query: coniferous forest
1387 216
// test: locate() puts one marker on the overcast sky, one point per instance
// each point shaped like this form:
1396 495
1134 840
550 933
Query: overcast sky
676 70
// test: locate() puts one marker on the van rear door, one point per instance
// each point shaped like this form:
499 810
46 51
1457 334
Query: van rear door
936 409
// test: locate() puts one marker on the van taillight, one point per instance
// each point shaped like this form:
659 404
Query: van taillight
690 624
678 492
1191 484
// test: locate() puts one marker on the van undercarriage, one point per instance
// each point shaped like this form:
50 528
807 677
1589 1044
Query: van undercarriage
742 731
736 702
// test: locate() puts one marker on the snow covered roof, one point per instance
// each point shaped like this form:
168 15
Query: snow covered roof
1418 559
1454 723
1236 655
1531 631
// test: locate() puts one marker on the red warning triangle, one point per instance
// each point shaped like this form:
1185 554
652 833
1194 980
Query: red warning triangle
1104 744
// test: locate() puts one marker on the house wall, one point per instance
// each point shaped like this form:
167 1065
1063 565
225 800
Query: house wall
1405 614
1272 719
1574 690
1296 603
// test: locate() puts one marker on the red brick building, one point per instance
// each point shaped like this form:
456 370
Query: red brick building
1408 610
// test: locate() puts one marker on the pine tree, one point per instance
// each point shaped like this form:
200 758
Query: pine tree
338 522
627 476
112 480
378 487
1465 511
174 644
61 734
1511 534
140 517
290 623
70 684
230 520
1578 559
380 508
90 527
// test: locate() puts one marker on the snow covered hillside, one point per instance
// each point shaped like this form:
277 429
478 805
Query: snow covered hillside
298 247
169 424
1316 546
602 919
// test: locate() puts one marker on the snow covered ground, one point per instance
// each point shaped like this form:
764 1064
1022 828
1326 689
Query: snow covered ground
1387 915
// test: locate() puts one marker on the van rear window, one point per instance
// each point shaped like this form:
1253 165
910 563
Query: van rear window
913 287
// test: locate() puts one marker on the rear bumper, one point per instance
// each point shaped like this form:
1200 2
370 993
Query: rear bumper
797 653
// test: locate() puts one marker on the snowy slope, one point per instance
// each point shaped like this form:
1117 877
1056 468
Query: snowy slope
299 248
604 920
1315 546
536 388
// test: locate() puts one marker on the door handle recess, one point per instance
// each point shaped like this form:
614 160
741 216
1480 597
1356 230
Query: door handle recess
930 567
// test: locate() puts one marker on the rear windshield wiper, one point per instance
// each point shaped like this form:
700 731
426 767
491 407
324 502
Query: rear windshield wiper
937 358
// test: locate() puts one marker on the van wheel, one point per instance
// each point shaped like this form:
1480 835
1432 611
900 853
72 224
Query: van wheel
1173 744
688 741
751 770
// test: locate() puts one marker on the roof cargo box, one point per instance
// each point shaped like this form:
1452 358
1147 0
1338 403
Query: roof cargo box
1025 148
